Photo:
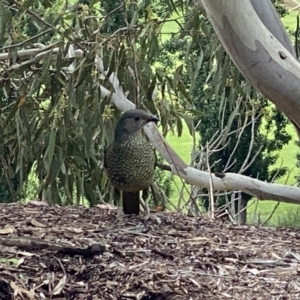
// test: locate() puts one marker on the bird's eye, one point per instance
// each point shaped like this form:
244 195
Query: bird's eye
136 118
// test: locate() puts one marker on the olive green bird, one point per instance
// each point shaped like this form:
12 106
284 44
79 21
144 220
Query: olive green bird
130 160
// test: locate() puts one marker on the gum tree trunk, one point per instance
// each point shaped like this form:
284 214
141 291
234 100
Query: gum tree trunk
252 34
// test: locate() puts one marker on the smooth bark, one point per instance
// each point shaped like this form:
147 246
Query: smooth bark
255 39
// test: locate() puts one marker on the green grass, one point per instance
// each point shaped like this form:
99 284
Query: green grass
287 157
170 27
183 146
290 20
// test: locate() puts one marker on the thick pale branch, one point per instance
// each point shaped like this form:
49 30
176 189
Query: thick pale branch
231 181
257 43
32 55
272 21
26 53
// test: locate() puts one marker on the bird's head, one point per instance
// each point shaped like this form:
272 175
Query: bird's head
132 121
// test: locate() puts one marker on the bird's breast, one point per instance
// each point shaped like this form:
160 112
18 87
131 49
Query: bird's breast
130 165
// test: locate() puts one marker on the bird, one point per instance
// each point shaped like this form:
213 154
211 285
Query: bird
130 159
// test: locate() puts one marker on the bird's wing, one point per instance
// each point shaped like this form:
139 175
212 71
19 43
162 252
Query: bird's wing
155 164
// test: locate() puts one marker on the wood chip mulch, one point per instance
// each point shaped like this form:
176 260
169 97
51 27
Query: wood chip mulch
98 253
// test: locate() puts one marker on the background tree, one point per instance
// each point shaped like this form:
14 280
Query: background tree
215 88
11 188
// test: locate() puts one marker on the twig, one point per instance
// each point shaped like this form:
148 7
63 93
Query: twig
271 214
163 254
211 191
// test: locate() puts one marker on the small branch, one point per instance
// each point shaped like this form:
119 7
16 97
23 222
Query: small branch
244 167
163 167
163 254
271 214
211 191
31 244
27 41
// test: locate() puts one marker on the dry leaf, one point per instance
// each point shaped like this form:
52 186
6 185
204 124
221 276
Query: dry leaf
7 229
107 206
75 230
38 203
19 291
57 290
36 223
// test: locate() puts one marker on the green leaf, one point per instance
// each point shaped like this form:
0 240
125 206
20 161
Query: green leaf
189 122
144 31
55 168
5 18
177 75
50 148
179 127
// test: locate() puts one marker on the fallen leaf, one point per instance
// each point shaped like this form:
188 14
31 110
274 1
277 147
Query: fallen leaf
7 229
38 203
36 223
19 291
57 290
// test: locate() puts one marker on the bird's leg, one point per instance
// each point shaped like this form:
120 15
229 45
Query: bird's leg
117 199
145 195
143 204
154 192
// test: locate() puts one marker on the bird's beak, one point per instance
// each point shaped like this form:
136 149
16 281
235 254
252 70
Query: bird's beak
152 119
